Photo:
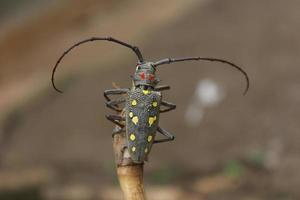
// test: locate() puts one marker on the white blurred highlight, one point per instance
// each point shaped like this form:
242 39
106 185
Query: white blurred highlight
207 94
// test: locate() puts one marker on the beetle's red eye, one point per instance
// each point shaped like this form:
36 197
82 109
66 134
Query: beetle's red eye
142 75
151 77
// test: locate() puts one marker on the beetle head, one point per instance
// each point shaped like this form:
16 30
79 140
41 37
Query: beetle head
145 75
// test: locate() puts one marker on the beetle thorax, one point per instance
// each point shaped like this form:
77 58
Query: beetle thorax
145 75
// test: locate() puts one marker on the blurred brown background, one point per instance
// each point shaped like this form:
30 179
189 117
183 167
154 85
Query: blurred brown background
227 146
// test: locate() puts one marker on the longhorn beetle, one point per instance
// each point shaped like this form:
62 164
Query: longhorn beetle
143 102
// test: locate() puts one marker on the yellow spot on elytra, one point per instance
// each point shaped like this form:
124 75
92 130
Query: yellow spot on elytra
135 120
133 149
133 102
131 114
154 103
152 120
149 138
146 92
146 150
132 137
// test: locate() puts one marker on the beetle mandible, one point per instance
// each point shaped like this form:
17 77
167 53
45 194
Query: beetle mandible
143 102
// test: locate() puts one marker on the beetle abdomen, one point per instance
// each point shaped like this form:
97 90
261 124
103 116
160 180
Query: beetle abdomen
142 117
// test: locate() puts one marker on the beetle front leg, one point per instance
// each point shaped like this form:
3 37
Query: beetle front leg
170 106
114 92
169 136
162 87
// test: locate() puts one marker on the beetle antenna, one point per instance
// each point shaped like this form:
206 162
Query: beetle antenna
171 60
110 39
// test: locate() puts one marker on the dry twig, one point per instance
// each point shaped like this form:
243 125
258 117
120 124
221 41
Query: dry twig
130 174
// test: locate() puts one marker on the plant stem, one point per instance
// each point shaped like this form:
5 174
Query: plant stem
130 174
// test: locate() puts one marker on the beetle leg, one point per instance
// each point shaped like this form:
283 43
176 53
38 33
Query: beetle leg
162 87
117 130
169 136
114 92
170 106
116 119
113 104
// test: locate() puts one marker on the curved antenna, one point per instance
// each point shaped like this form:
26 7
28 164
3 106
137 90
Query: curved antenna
171 60
110 39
